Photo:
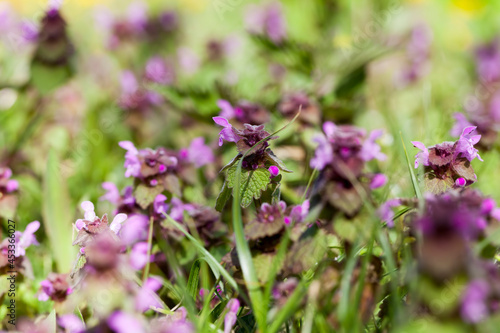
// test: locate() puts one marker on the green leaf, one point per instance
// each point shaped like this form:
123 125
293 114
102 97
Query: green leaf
252 183
463 168
46 78
223 197
437 185
56 216
212 262
145 195
79 263
262 262
274 160
194 277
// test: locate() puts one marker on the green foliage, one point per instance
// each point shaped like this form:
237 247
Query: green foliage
252 183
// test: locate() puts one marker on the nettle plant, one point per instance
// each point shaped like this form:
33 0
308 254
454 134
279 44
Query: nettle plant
448 165
260 168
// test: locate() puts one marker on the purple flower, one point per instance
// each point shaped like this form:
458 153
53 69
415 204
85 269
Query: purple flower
132 163
474 307
112 195
465 145
423 156
378 180
158 71
267 20
460 182
274 171
116 224
323 154
298 213
7 185
178 208
386 213
228 133
139 255
370 150
159 205
26 238
71 323
198 153
122 322
90 217
231 316
55 287
227 110
460 124
134 229
488 62
146 297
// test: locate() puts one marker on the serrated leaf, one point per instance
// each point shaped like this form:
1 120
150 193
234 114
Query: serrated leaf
437 185
252 183
274 160
463 168
223 197
145 195
262 262
231 163
79 263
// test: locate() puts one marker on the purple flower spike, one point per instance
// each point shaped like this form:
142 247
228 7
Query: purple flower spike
474 307
274 171
460 182
465 145
228 133
231 316
378 180
423 156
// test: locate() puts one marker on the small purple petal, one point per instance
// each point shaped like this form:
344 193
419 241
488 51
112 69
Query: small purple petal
274 171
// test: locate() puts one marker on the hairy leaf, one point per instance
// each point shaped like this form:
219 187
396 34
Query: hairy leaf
252 183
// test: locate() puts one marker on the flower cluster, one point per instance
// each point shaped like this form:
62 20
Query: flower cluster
447 165
55 287
341 156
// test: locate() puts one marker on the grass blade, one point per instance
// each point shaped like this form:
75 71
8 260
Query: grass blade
414 181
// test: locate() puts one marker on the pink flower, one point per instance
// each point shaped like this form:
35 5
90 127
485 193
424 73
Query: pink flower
228 133
378 180
146 297
198 153
274 171
26 238
465 145
231 316
423 156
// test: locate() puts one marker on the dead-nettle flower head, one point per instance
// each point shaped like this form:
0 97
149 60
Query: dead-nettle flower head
459 212
55 287
246 138
244 112
146 163
298 213
449 162
91 225
54 46
7 185
290 104
348 144
268 222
